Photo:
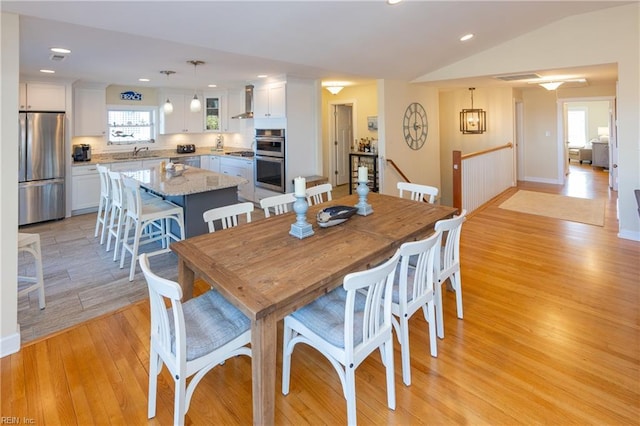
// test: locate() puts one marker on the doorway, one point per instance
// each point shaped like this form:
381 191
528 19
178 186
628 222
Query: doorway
341 134
593 121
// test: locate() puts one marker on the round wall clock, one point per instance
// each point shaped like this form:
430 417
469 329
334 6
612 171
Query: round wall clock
415 126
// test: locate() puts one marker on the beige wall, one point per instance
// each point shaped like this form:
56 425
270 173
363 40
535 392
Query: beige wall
364 99
9 78
609 36
421 166
498 104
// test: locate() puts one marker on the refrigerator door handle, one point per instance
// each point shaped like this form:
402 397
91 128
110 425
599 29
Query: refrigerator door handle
34 183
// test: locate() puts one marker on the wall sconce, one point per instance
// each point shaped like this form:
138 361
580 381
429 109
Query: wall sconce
551 85
195 105
473 121
334 89
168 106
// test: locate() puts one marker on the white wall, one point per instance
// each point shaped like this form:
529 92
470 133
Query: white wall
9 72
604 37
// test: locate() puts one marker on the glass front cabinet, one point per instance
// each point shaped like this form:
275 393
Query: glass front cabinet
215 114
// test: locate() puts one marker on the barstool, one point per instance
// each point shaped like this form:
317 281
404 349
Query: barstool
31 244
139 215
105 202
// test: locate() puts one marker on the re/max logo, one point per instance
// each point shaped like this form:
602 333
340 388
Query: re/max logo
130 96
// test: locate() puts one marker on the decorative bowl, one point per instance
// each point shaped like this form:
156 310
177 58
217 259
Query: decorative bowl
334 215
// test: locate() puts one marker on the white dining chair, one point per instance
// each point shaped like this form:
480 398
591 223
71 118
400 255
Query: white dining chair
190 338
448 265
139 215
317 194
346 326
227 215
418 192
413 289
104 207
279 204
30 243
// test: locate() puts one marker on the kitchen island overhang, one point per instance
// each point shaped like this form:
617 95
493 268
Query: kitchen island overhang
195 190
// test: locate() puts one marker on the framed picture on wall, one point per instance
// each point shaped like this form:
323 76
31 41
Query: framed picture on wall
372 123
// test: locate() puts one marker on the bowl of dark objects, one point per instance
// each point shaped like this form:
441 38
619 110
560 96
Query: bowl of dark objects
334 215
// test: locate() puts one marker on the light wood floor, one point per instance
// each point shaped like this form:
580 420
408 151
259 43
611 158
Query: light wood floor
550 336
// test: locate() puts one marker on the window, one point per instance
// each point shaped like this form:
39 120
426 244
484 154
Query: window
129 126
577 127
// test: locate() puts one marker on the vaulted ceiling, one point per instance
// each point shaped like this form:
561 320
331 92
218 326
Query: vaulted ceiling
353 41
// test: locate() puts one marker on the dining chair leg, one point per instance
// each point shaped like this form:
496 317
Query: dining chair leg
154 368
286 359
403 336
439 312
350 394
430 317
391 384
456 282
179 405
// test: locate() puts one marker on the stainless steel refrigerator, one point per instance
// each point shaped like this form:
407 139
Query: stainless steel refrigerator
41 171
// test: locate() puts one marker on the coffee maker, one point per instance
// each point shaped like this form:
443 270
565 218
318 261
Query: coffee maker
82 152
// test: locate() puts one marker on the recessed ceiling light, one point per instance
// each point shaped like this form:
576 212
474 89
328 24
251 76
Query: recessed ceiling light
212 85
60 50
143 79
262 76
48 71
466 37
392 2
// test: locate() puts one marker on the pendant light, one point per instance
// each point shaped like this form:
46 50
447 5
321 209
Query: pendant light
195 105
168 106
473 121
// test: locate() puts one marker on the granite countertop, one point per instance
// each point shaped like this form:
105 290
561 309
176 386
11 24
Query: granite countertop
191 181
117 157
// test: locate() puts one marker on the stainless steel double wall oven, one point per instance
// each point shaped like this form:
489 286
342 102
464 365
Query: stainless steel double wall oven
270 159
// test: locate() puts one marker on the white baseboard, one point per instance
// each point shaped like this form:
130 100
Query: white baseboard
629 235
541 180
9 344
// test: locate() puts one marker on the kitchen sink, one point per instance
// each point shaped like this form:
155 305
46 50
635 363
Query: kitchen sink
130 156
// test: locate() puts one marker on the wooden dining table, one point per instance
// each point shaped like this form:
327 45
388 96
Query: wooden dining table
267 273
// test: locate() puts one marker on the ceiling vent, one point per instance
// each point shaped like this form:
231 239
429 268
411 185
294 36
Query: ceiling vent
57 57
517 77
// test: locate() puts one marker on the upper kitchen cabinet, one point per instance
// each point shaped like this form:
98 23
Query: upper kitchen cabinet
270 101
181 120
215 112
89 110
41 97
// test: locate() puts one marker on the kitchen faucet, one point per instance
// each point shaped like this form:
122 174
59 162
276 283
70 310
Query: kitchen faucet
136 150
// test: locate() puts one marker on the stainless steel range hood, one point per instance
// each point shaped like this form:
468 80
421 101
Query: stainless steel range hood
248 101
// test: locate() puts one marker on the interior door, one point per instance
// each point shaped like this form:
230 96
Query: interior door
343 135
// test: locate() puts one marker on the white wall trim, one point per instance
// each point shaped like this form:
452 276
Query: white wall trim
9 344
629 235
542 180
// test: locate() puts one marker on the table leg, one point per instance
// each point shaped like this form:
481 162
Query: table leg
185 279
263 365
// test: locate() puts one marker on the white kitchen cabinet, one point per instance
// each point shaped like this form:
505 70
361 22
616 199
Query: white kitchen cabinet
123 166
269 101
241 168
153 162
210 162
89 111
41 97
85 188
181 120
216 117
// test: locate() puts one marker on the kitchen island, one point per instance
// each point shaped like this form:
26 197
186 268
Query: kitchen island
195 190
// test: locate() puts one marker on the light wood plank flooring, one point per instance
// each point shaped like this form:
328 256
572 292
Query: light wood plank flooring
550 336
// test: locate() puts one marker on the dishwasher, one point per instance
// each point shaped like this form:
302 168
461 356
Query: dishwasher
193 161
